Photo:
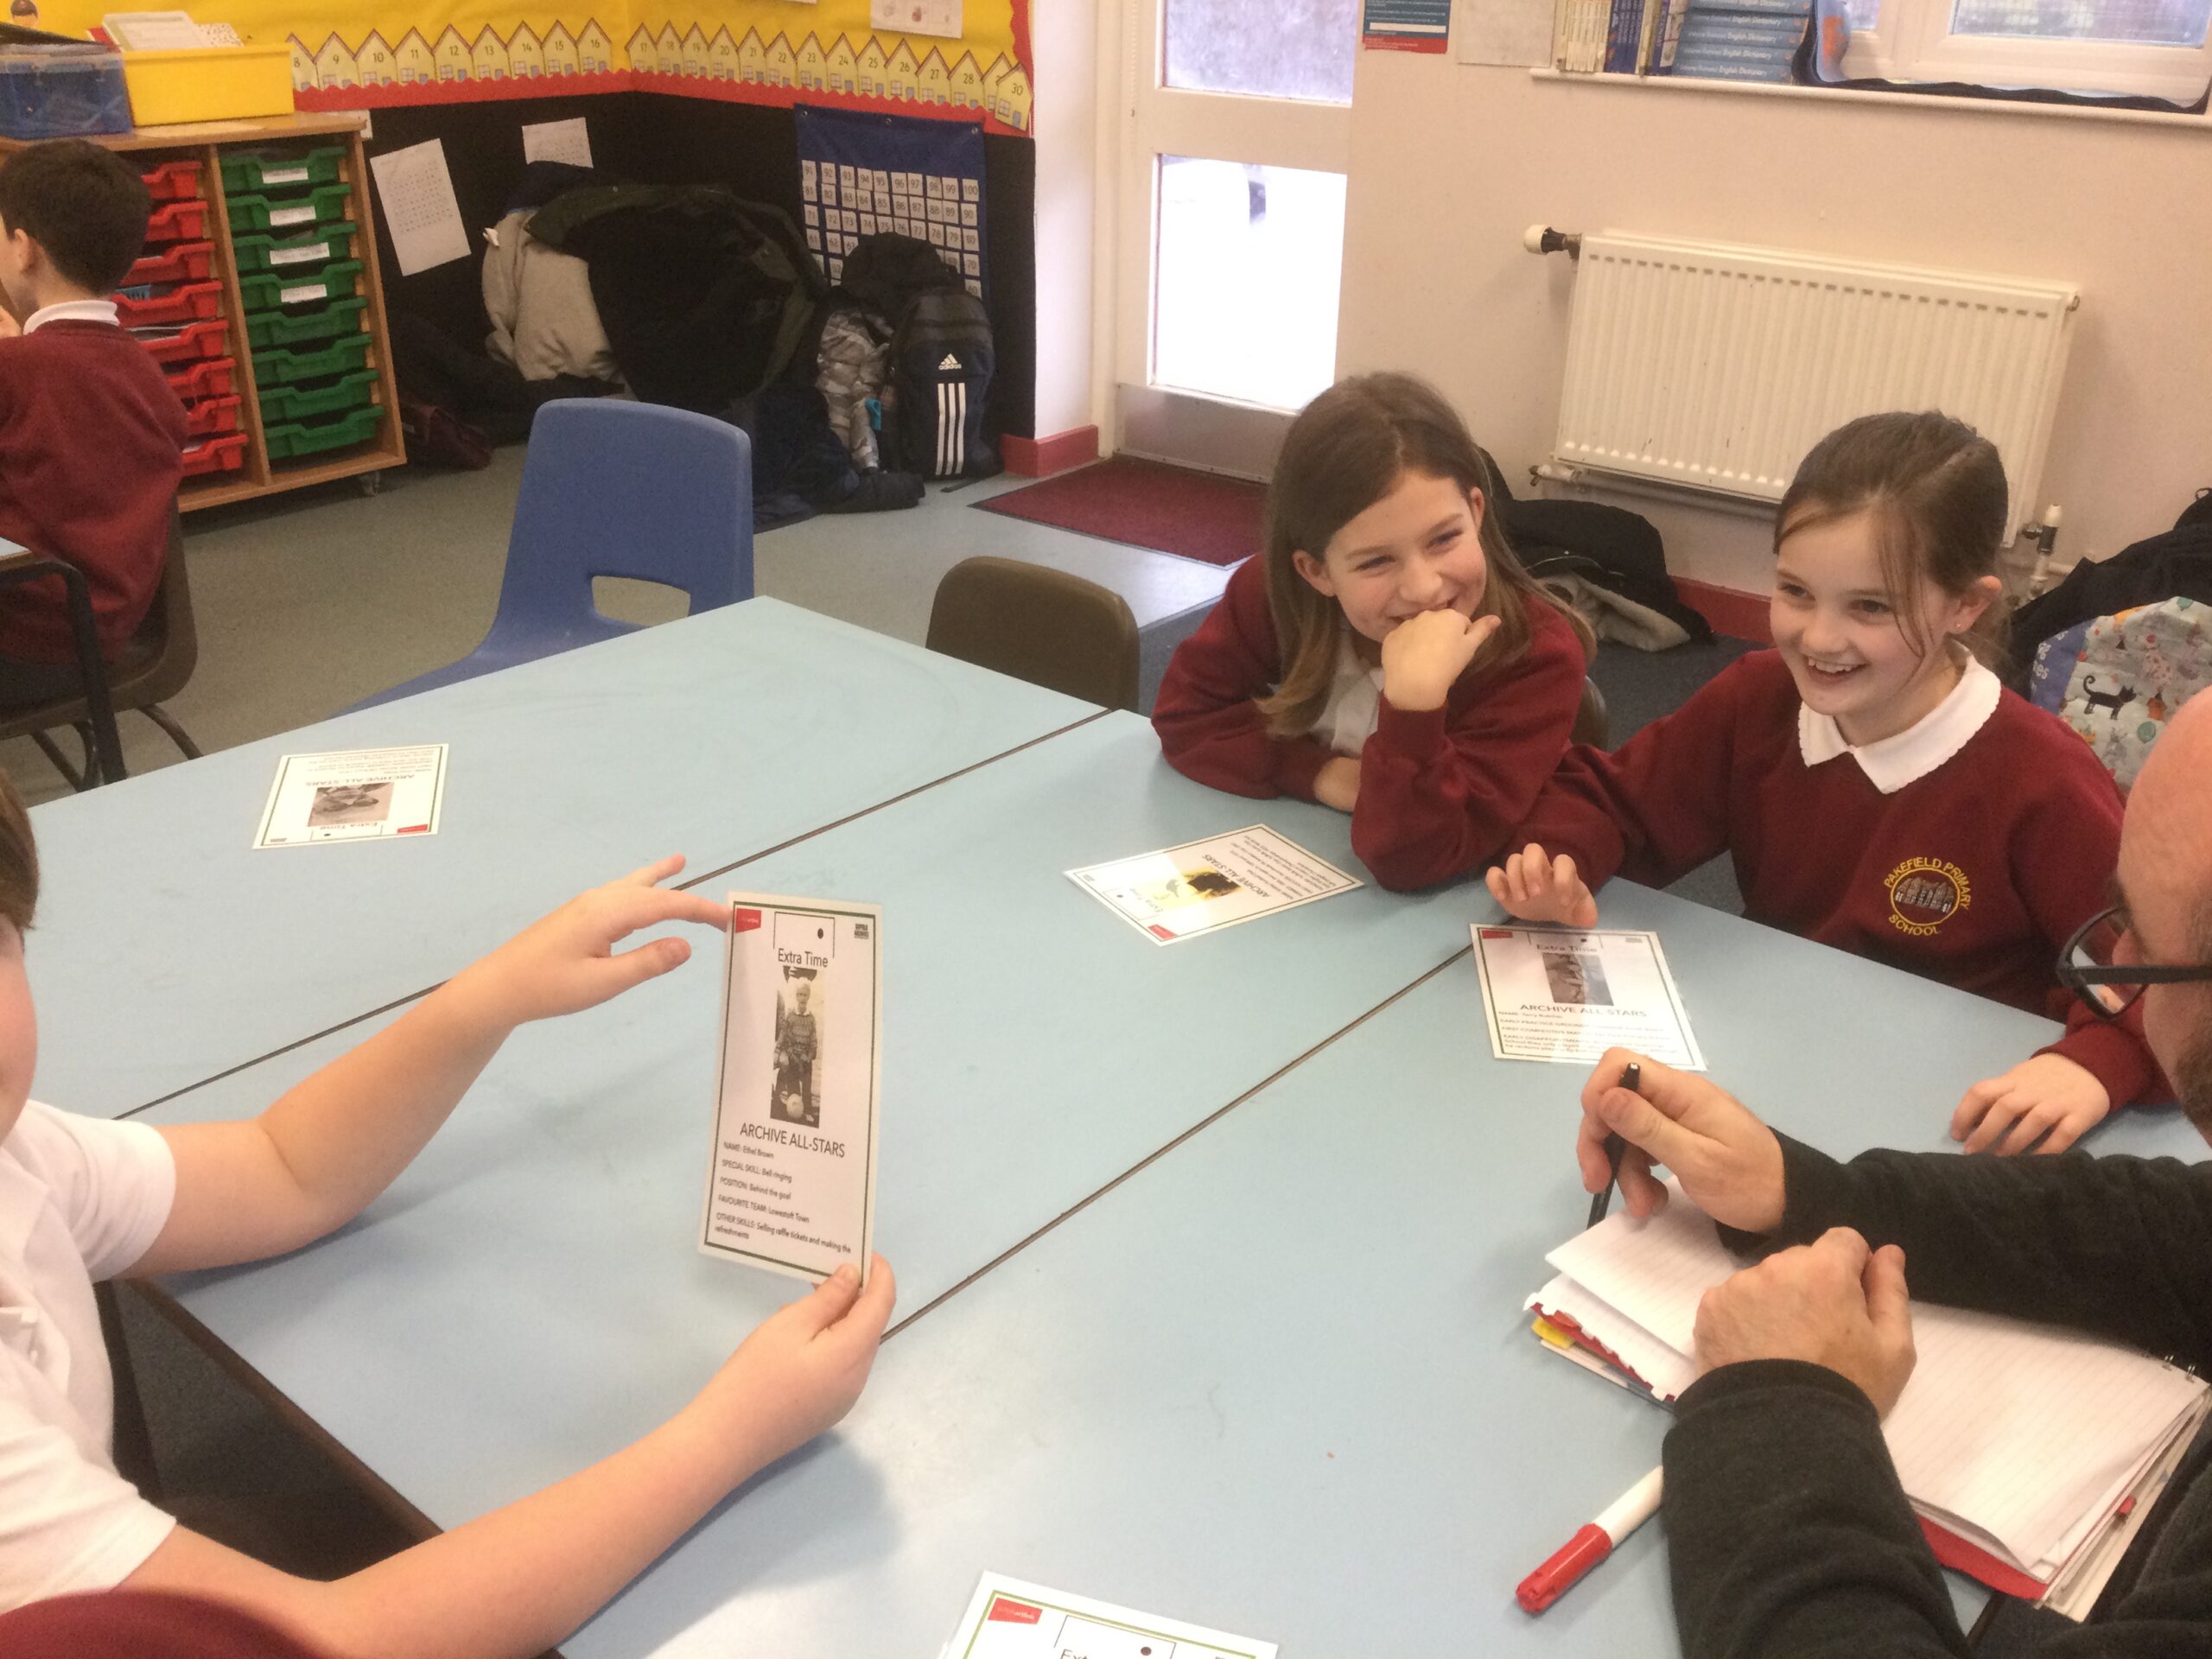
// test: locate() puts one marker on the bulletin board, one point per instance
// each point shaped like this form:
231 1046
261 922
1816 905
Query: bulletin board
368 54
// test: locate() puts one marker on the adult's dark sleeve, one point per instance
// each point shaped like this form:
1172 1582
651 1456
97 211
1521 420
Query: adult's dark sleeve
1787 1532
2118 1246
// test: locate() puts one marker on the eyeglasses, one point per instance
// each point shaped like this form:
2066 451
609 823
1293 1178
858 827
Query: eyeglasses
2085 967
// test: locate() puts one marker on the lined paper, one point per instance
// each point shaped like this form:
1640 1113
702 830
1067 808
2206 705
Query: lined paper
2021 1436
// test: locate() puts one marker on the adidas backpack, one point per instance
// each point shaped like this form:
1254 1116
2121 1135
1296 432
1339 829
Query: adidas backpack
940 364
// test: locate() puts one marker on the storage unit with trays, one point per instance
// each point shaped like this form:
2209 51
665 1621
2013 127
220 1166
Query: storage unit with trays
258 295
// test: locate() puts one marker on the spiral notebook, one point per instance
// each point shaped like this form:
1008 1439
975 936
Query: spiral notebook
2030 1453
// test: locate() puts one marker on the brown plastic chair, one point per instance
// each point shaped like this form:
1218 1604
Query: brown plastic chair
153 667
1591 725
1039 625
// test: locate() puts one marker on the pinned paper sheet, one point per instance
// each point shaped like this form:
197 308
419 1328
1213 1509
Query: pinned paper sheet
558 141
916 18
1514 32
417 191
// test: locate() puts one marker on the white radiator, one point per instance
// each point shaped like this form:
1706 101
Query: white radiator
1718 367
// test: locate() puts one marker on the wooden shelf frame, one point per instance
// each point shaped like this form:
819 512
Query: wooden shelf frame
205 142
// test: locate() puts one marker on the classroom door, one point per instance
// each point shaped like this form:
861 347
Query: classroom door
1236 131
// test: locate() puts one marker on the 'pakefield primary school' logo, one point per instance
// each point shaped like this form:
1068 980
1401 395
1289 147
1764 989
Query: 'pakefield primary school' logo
1924 893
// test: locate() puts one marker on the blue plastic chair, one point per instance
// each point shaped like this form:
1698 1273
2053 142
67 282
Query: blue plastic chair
612 488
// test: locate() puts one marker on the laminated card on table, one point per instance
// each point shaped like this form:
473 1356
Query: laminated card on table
790 1183
1568 995
1185 891
354 794
1008 1619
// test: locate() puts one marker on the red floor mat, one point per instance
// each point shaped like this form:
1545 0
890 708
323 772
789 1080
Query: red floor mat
1169 509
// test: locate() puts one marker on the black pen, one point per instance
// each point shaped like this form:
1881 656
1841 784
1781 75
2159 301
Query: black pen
1631 1080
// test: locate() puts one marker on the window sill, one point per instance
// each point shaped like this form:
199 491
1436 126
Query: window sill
1694 85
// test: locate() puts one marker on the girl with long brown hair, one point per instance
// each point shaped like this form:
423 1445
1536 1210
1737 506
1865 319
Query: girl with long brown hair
1386 654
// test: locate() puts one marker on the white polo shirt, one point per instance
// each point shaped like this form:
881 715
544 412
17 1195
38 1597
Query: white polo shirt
80 1201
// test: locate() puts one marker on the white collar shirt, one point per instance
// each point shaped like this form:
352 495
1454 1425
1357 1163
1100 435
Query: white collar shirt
1912 754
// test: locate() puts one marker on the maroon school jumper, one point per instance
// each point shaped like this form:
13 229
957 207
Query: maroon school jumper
90 437
1437 790
1975 873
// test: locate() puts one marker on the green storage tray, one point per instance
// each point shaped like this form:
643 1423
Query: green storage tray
287 253
289 368
294 439
292 403
248 171
290 215
270 328
265 290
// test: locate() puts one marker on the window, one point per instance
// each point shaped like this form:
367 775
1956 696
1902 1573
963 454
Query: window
2151 48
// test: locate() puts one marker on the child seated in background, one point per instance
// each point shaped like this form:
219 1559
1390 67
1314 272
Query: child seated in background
90 435
1352 663
1875 785
83 1199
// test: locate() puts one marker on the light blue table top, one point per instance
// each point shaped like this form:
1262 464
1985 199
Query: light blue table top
1279 1382
1141 1404
169 951
1035 1048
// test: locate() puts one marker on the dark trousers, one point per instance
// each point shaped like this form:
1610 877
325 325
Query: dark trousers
22 683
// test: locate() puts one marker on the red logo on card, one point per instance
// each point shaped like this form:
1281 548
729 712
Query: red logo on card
414 830
1160 930
744 921
1497 932
1012 1612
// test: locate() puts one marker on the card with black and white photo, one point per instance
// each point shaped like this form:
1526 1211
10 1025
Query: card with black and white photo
354 794
1568 994
791 1185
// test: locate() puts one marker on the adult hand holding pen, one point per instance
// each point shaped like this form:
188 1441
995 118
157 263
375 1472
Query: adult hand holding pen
1728 1161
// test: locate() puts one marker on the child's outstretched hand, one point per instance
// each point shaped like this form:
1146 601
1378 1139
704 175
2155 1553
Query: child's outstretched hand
2047 1099
1538 888
1424 655
802 1367
568 962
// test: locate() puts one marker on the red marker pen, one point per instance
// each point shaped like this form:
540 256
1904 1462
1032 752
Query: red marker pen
1590 1546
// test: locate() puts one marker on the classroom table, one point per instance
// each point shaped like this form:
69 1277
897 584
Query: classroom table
1279 1382
169 951
1052 1082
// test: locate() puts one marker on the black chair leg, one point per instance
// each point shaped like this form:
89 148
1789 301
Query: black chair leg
178 735
79 781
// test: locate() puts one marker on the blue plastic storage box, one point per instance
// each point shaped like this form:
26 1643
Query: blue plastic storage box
61 92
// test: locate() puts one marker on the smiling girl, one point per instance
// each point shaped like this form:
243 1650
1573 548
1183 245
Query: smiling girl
1386 654
1876 787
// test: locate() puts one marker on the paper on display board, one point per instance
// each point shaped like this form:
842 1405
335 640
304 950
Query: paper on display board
354 794
1008 1619
1182 891
1567 995
790 1183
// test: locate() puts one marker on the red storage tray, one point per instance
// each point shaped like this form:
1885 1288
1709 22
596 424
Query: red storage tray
173 181
212 415
193 302
216 377
189 344
181 221
187 261
215 455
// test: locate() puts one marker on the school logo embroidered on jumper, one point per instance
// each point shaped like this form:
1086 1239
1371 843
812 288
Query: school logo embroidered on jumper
1925 893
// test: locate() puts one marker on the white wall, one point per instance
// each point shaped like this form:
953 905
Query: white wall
1064 40
1451 162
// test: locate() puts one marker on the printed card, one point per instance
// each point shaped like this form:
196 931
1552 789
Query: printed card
1008 1619
790 1186
1557 993
1186 891
354 794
